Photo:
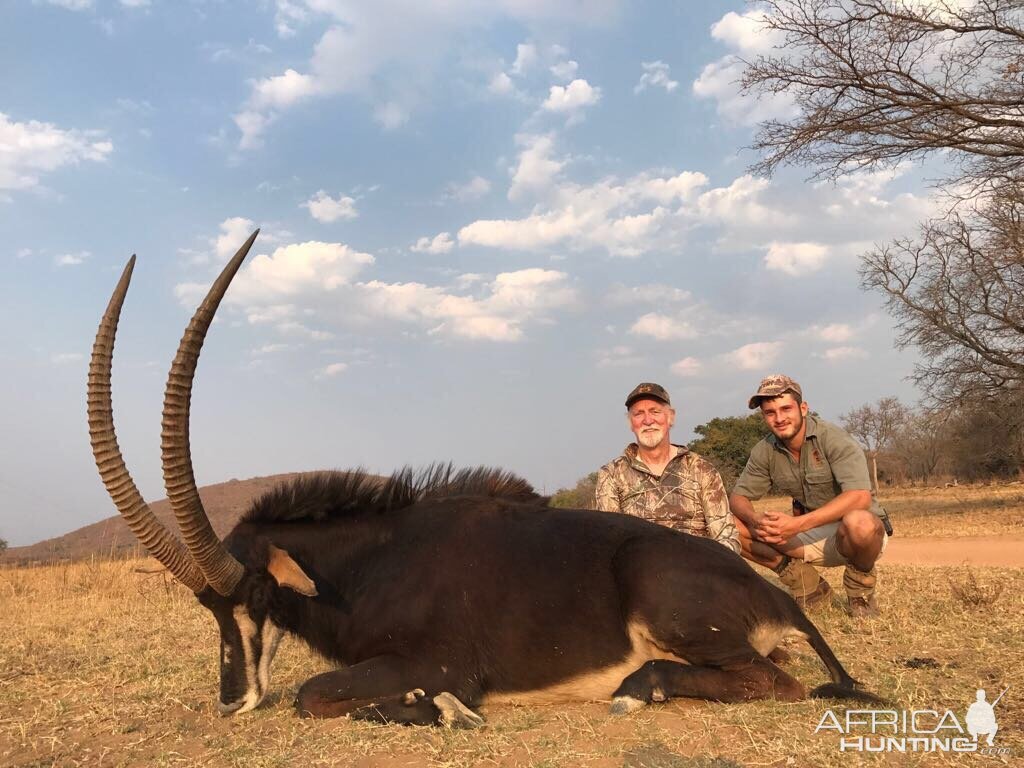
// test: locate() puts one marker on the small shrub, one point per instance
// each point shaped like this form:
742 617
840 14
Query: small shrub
972 594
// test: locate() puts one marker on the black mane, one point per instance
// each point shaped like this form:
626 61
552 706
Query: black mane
326 495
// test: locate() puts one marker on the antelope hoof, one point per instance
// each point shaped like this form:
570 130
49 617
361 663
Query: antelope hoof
623 705
455 714
413 696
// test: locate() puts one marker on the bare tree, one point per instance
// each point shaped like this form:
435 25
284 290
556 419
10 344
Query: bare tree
875 82
875 427
957 294
879 82
921 444
986 437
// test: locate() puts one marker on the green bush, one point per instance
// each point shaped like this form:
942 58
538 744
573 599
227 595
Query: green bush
580 497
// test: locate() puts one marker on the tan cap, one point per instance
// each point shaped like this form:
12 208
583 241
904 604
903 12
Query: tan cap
773 386
648 390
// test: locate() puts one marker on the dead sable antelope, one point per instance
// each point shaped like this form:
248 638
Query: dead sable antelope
442 592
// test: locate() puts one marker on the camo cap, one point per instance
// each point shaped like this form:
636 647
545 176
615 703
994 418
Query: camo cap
648 390
773 386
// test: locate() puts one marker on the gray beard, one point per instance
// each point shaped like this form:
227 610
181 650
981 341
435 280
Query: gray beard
650 439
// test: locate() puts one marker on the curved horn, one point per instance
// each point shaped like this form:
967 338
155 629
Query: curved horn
160 543
221 570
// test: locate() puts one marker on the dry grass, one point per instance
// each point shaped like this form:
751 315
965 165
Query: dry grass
100 665
965 510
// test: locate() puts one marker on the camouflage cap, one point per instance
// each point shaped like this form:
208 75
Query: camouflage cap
648 390
773 386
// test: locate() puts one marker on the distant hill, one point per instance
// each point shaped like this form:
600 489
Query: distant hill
224 503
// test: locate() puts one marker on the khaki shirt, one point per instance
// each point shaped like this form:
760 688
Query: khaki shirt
830 462
689 496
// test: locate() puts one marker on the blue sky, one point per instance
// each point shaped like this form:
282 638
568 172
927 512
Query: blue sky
483 222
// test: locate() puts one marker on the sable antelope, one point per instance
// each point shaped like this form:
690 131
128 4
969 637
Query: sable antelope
443 591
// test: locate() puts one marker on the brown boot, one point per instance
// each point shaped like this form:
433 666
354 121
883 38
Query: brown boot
803 582
819 597
863 607
860 591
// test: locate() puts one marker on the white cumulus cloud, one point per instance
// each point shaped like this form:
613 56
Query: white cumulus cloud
281 91
388 52
655 76
751 357
326 209
233 232
663 327
29 149
526 57
334 369
623 217
474 189
746 36
71 259
795 258
745 32
537 169
687 367
288 16
571 98
564 70
835 332
252 125
291 272
501 85
441 243
511 300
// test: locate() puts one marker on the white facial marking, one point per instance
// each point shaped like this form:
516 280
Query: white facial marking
247 630
271 638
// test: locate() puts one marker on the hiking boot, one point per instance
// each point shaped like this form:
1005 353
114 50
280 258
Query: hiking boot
860 591
803 582
863 607
820 596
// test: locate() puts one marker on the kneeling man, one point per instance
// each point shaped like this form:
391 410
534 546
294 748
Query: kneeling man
662 482
836 518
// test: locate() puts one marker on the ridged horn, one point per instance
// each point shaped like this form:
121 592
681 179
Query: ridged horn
221 569
158 541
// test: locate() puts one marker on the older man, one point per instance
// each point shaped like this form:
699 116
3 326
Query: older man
836 518
663 482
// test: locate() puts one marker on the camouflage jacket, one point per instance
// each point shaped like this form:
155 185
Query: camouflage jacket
689 496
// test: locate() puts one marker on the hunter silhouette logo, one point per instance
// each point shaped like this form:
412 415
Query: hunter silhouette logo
981 717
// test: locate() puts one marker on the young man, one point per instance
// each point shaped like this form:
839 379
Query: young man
662 482
836 518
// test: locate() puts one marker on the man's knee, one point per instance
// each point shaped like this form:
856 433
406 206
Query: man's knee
860 528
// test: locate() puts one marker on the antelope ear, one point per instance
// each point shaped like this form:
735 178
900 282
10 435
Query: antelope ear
288 573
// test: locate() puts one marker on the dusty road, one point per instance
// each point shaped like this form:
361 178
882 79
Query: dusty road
1002 551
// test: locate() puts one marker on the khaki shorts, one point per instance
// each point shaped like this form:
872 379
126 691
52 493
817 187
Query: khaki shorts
820 545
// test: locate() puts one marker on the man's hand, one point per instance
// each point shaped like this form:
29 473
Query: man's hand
776 528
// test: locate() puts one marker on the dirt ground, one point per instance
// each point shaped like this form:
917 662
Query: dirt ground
1003 551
